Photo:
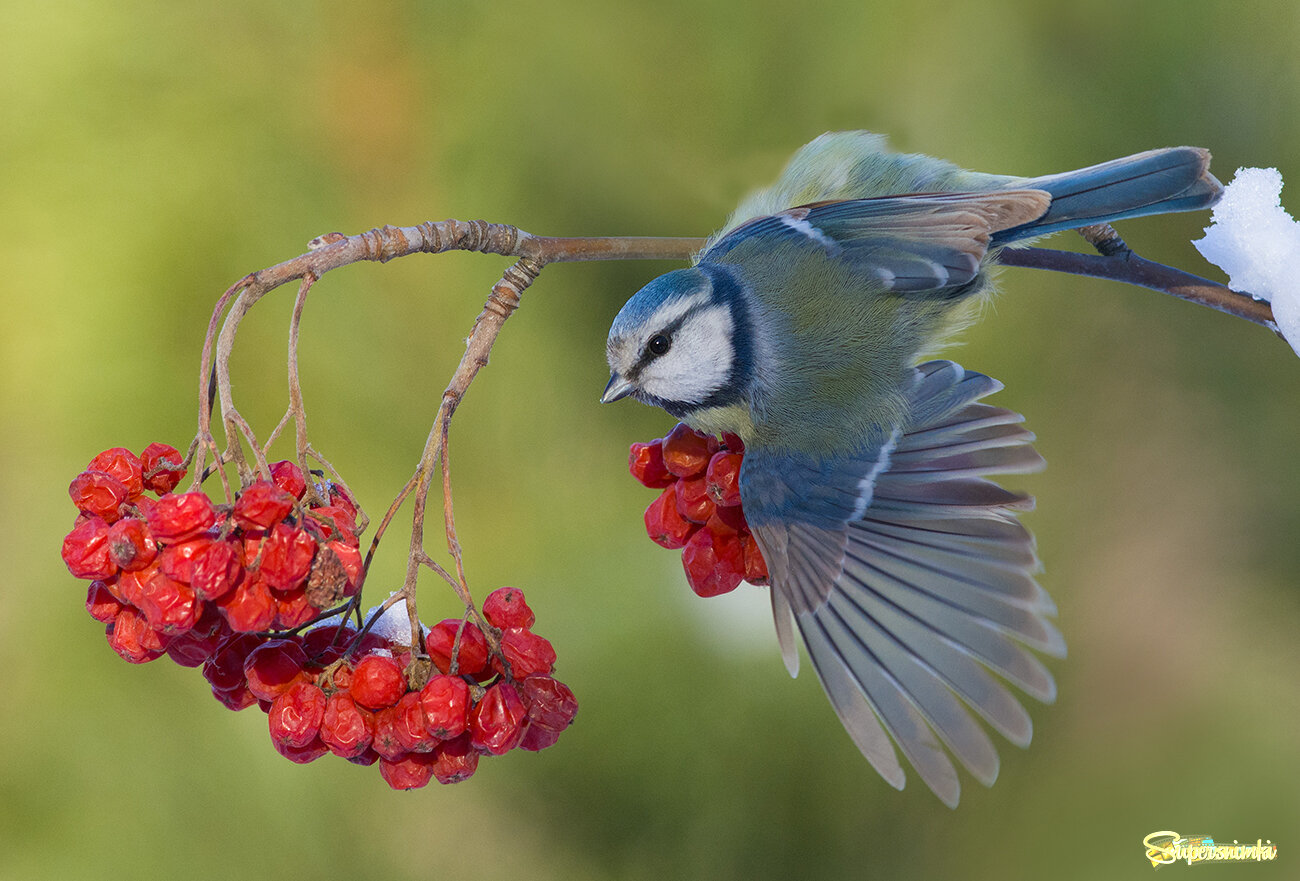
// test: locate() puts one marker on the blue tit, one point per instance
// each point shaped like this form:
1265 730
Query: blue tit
804 326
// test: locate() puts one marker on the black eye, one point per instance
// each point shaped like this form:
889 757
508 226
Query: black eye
658 345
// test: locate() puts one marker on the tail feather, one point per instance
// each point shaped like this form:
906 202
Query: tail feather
1154 182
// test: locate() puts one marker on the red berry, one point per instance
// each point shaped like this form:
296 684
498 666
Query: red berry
723 478
728 519
236 699
496 724
473 656
215 568
665 525
732 443
411 725
646 462
445 700
550 702
293 609
177 517
122 464
86 550
326 643
334 522
288 477
250 607
527 653
455 760
350 557
377 682
686 451
346 729
301 755
171 607
97 493
178 559
261 505
101 604
162 469
505 607
714 563
286 556
755 565
296 714
225 669
273 666
194 648
130 544
692 499
387 742
411 771
130 635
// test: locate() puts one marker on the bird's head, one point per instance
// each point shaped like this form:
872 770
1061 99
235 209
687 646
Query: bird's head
683 343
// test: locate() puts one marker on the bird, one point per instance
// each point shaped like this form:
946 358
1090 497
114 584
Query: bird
809 326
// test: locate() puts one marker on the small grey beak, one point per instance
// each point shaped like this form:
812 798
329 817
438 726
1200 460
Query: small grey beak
617 388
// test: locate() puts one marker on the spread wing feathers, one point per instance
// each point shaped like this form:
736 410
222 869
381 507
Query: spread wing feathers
909 608
913 243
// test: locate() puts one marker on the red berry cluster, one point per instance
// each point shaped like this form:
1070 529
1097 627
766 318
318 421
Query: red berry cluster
174 574
699 510
209 585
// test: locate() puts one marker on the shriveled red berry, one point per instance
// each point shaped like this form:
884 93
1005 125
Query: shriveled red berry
333 522
172 608
646 462
292 609
411 771
723 478
122 464
732 443
250 607
261 505
301 755
296 714
130 635
326 643
728 519
100 602
686 451
194 648
692 499
496 724
235 699
97 493
412 726
130 544
286 556
346 729
288 477
441 638
455 760
377 682
665 525
161 464
505 607
180 516
387 742
527 653
273 666
714 563
86 551
216 568
755 565
225 669
445 700
550 702
178 559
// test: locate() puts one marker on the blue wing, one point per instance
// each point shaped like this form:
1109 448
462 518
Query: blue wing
910 579
913 243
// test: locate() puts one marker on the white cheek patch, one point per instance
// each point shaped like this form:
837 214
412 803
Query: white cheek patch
699 362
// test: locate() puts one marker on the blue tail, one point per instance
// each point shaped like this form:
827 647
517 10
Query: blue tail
1155 182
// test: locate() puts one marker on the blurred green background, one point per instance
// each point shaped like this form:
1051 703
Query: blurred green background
151 153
